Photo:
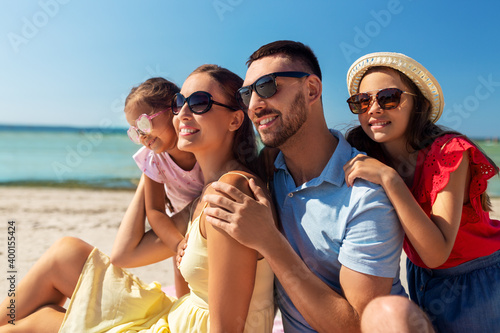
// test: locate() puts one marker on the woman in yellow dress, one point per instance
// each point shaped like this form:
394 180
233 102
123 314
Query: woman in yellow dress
235 295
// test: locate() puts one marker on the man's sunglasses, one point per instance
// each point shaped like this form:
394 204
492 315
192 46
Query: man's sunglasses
264 86
387 99
199 102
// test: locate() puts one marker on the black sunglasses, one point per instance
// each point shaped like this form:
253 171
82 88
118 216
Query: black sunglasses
264 86
387 99
199 102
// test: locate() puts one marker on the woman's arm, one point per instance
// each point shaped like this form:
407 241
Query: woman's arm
162 224
433 238
231 274
133 246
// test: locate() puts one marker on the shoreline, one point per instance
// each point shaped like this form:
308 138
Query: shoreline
97 185
104 184
42 215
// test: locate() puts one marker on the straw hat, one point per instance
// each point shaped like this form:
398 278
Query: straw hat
424 80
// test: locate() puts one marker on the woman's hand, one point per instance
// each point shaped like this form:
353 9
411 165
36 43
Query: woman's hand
180 250
367 168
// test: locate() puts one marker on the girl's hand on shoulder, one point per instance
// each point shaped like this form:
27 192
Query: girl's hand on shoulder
367 168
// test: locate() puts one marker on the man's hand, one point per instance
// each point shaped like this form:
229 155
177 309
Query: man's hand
249 221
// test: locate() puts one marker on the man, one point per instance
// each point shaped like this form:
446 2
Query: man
339 246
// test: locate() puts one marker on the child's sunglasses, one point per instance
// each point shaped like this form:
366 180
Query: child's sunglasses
387 99
143 126
264 86
199 102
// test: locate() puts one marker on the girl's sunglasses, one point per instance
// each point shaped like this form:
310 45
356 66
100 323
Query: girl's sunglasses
387 99
264 86
143 126
199 102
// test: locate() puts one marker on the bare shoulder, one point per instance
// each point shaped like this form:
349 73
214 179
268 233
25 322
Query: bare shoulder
239 179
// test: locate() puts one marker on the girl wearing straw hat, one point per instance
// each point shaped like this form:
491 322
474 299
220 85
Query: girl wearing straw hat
436 180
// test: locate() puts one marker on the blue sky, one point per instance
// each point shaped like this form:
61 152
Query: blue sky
72 62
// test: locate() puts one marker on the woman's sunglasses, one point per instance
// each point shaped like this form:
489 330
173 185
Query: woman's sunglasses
199 102
387 99
264 86
143 126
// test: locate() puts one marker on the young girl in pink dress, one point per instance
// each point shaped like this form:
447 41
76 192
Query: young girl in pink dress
436 180
171 177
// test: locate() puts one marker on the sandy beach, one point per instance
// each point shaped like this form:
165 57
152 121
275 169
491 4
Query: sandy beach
43 215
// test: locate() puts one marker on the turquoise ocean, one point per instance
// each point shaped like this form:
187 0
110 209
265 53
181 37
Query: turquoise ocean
94 157
69 157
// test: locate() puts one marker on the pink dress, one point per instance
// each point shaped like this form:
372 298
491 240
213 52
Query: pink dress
181 186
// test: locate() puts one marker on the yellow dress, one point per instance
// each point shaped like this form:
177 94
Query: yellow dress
109 299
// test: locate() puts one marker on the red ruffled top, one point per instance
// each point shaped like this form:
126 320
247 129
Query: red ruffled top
478 235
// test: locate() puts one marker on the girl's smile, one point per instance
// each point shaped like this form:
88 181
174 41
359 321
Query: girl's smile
377 124
387 127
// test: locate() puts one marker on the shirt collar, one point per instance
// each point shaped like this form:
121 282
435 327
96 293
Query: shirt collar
334 169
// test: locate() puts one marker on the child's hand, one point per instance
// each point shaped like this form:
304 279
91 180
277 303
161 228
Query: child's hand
180 250
367 168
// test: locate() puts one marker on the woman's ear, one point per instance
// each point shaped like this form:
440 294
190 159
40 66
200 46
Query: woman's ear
237 118
315 88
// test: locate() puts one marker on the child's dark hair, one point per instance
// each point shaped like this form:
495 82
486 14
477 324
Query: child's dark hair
244 143
156 92
419 135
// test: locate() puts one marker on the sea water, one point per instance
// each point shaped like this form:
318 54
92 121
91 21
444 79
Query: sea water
492 149
94 157
67 156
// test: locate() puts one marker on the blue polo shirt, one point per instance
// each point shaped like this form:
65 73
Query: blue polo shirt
329 224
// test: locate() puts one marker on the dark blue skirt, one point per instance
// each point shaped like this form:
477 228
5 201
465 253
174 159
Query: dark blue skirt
465 298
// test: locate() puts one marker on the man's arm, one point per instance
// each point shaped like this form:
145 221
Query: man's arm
250 222
323 308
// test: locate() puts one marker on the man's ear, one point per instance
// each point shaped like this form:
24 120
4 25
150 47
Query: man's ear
236 120
315 88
